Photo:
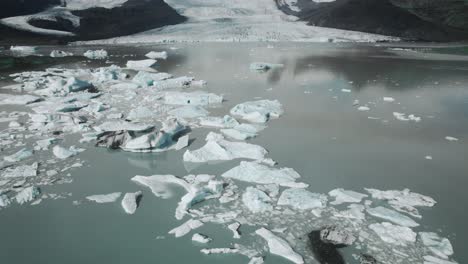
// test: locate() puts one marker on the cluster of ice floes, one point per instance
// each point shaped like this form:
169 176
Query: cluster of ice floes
138 109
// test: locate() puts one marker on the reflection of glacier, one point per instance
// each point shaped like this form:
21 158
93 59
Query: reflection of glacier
240 20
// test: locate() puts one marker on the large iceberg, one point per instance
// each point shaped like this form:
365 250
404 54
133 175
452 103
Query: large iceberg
261 174
279 246
130 202
258 111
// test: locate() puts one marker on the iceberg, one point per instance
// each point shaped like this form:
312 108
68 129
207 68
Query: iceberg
392 216
63 153
179 82
389 99
141 64
258 111
441 247
4 200
337 236
145 79
60 54
19 156
403 117
28 194
186 227
19 99
157 55
242 131
20 171
193 98
261 174
218 122
225 150
119 125
23 49
256 201
200 238
182 142
130 202
141 112
451 138
394 234
434 260
279 246
96 54
302 199
159 184
209 251
345 196
234 227
189 111
104 198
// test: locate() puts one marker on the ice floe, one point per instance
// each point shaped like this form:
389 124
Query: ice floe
279 246
392 216
256 201
346 196
130 202
403 117
141 64
19 156
302 199
104 198
186 227
157 55
60 54
64 153
258 111
394 234
200 238
27 194
96 54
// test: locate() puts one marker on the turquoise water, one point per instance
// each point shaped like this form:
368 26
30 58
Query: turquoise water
321 135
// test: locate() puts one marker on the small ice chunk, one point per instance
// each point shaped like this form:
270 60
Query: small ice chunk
157 55
200 238
20 171
186 227
258 111
182 142
449 138
104 198
392 216
234 227
63 153
346 90
279 246
363 108
130 202
256 201
302 199
19 156
403 117
264 66
261 174
389 99
345 196
28 194
242 131
394 234
23 49
141 64
438 245
4 200
60 54
256 260
43 144
96 54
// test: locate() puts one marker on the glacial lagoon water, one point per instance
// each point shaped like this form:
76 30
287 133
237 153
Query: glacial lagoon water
322 135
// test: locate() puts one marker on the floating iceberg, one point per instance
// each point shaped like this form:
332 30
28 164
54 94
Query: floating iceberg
279 246
261 174
189 111
337 236
182 142
104 198
144 78
194 98
234 227
388 99
186 227
345 196
302 199
219 122
23 49
141 64
441 247
403 117
123 125
209 251
394 234
242 131
200 238
96 54
392 216
19 156
60 54
451 138
63 153
256 201
157 55
258 111
20 171
28 194
225 150
130 202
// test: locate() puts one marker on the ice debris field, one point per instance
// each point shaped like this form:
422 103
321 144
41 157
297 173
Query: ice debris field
138 109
